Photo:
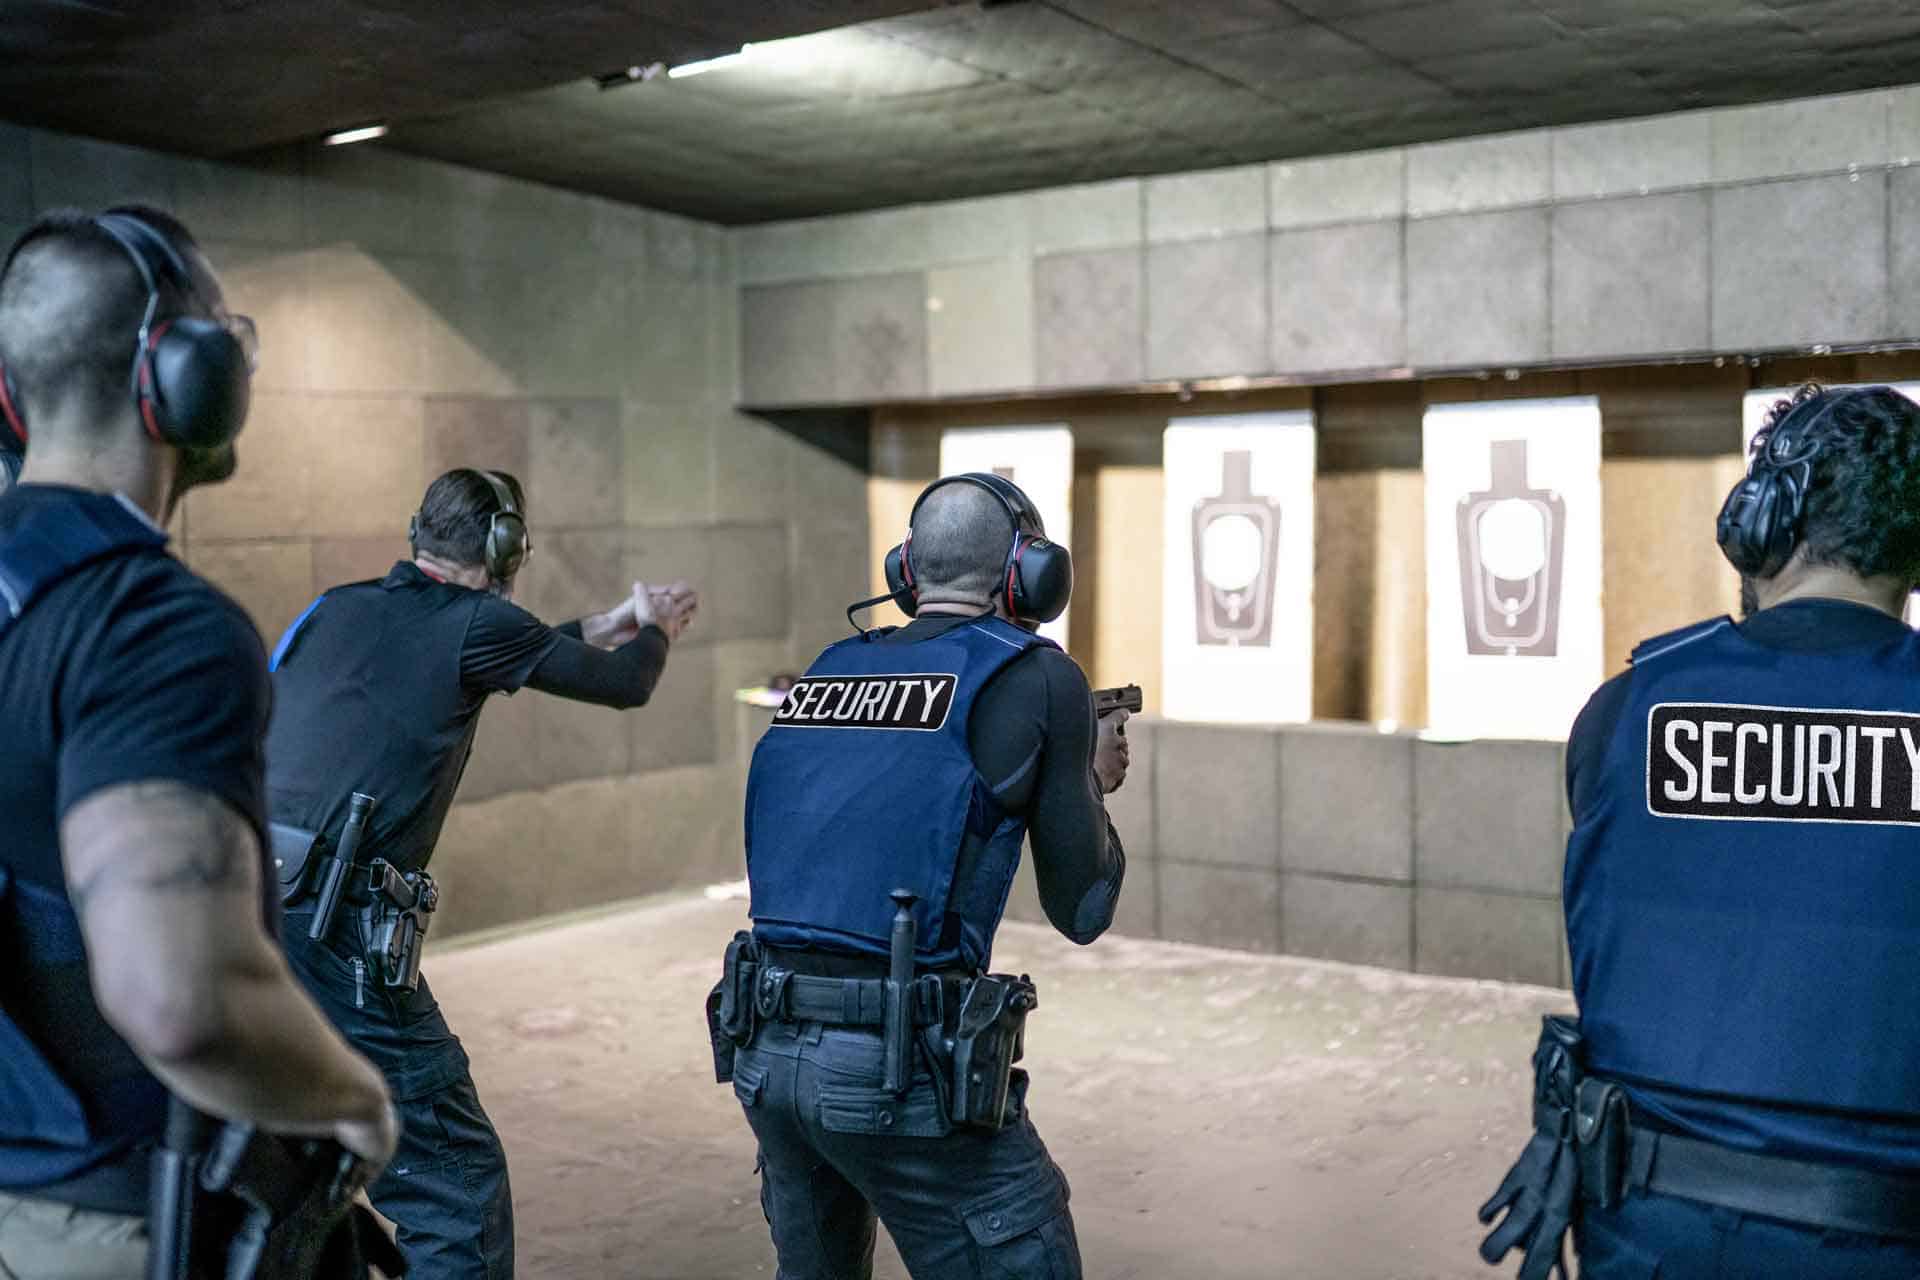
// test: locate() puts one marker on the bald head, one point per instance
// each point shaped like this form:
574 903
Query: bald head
960 539
70 310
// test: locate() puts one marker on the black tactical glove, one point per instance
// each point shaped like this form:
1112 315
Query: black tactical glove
1541 1189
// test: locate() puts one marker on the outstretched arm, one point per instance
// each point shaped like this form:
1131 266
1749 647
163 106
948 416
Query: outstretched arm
612 659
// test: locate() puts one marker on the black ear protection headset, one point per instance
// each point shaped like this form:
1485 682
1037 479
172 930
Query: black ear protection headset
1759 524
192 375
508 543
1037 579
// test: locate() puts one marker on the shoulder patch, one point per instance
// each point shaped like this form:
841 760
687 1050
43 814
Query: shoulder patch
918 702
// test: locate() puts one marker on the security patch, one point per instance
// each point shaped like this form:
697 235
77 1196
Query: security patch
1720 761
919 702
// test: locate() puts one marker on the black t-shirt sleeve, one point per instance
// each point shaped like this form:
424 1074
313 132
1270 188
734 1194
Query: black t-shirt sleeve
1593 729
504 643
622 678
1032 736
174 690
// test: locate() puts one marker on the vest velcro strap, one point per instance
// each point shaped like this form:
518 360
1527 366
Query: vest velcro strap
1826 1196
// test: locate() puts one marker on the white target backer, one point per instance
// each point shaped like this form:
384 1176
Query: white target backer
1514 640
1039 459
1237 583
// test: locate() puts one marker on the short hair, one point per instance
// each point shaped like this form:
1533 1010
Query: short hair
457 512
961 535
1863 501
71 303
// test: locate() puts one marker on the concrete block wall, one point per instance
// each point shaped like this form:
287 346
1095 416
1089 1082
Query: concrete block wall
417 316
1740 230
1344 843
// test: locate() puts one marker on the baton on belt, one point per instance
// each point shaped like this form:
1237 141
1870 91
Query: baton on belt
899 1001
339 865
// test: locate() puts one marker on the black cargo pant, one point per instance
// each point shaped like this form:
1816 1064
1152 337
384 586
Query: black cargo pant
446 1190
835 1148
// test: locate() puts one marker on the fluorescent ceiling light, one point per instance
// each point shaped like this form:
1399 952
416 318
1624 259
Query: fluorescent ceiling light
345 136
709 64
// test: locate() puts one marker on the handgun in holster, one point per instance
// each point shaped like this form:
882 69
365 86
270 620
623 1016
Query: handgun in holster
988 1036
232 1203
396 918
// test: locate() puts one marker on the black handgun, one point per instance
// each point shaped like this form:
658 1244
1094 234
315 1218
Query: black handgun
1126 698
402 908
339 865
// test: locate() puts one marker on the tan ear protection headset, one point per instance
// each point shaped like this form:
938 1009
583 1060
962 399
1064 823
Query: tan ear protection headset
508 543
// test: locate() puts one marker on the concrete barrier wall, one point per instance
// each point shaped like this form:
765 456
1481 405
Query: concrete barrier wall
1341 842
417 316
1736 230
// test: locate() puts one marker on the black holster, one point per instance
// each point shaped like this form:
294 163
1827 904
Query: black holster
730 1005
988 1035
232 1203
395 920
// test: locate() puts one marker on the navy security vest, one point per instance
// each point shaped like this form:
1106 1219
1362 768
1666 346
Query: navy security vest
1743 902
865 784
72 1095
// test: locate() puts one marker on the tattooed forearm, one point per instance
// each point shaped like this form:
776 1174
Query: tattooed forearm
155 838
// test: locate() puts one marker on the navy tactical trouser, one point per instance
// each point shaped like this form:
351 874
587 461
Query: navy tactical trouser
1651 1237
446 1190
836 1149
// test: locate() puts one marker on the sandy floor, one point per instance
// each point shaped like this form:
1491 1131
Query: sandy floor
1218 1114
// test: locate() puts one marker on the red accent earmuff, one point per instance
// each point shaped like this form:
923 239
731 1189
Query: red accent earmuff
1035 590
10 414
145 388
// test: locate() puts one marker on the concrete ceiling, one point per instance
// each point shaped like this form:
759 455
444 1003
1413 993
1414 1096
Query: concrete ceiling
219 77
921 101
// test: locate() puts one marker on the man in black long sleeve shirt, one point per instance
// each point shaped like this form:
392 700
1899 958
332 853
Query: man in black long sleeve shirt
919 759
378 688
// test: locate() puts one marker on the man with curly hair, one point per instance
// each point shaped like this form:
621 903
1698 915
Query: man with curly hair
1741 1093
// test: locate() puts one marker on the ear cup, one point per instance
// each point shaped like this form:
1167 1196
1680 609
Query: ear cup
14 438
507 545
1759 523
1039 579
899 585
193 384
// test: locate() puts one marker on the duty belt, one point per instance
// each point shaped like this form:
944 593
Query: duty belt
1828 1196
781 995
1586 1148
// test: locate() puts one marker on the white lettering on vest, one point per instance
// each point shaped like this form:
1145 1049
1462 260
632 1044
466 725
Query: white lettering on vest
1879 733
1780 792
1824 767
1913 762
1674 730
1740 735
1709 761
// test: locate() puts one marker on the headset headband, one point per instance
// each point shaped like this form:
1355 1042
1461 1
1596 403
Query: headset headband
502 493
1019 508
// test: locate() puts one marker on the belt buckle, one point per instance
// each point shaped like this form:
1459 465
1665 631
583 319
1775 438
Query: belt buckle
770 993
